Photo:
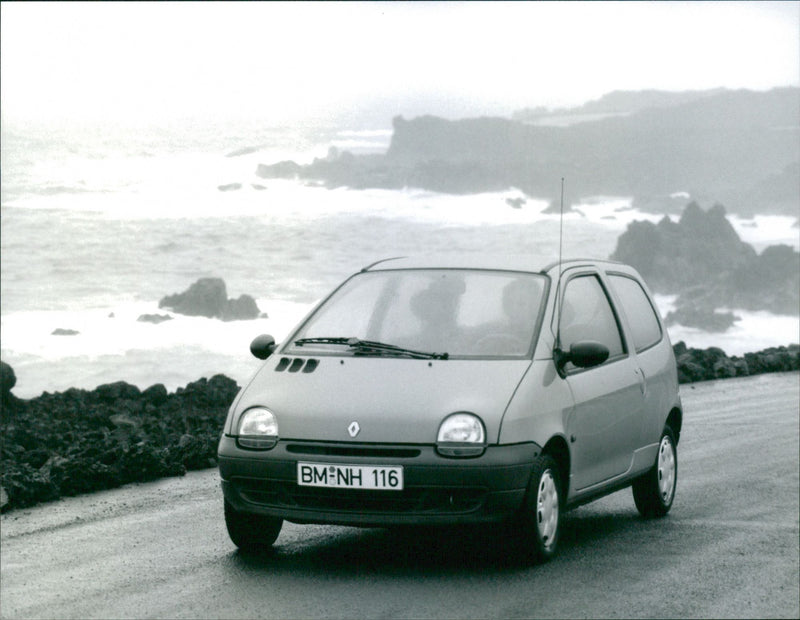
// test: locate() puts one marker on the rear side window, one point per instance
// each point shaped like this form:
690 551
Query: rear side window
642 317
586 314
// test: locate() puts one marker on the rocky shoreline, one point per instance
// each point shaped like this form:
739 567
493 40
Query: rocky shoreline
740 147
80 441
701 259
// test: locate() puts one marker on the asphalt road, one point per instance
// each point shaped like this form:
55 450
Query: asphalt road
728 548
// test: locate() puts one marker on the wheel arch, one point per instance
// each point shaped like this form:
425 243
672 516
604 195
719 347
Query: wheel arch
557 448
675 421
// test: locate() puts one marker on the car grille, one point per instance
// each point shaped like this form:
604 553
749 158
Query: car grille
353 450
412 500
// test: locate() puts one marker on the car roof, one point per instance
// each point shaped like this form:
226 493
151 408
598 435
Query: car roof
504 262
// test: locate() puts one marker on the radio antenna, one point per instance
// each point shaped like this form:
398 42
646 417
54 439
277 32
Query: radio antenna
561 228
557 353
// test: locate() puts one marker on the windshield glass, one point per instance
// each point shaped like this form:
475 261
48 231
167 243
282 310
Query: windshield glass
463 313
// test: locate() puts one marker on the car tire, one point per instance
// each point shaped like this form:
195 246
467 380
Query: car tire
654 491
539 522
251 532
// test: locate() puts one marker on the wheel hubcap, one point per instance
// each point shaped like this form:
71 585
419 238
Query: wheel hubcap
666 470
547 509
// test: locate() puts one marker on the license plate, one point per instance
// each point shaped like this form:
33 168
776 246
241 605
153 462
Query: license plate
350 476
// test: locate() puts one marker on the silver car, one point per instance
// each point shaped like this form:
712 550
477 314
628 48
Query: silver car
457 391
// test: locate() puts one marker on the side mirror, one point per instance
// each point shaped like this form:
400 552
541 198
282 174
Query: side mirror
583 354
263 346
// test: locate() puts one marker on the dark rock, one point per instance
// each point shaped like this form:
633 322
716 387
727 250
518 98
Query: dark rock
116 391
59 331
516 203
208 297
36 458
75 475
243 308
281 170
195 452
230 187
694 251
9 404
243 151
155 394
713 363
679 348
725 142
120 420
154 318
554 208
703 260
25 486
8 379
707 319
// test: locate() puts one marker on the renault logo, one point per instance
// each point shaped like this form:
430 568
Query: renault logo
353 429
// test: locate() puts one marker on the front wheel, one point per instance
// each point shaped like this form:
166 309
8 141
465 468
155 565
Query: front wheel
654 491
539 522
251 532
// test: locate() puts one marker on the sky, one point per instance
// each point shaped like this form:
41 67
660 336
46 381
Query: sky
138 61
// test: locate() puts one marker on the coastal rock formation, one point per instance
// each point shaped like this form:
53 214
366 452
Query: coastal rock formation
702 260
60 331
80 441
155 319
739 147
694 251
707 319
208 297
8 402
713 363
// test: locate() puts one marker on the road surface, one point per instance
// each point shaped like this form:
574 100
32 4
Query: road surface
728 548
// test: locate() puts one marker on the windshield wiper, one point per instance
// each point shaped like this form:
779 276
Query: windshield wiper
337 340
365 347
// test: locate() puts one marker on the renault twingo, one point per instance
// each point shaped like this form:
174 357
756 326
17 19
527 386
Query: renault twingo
457 391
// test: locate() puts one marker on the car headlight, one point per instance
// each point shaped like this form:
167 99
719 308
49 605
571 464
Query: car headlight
258 429
461 434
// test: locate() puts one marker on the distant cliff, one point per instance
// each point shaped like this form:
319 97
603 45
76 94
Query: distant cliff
740 148
702 260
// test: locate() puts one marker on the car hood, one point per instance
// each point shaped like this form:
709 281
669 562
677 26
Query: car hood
393 400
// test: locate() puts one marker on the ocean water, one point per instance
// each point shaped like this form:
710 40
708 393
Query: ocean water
97 226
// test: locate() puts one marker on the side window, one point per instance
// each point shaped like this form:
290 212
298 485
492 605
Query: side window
586 314
641 315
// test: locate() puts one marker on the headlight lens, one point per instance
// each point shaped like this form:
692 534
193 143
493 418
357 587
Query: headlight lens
258 429
461 434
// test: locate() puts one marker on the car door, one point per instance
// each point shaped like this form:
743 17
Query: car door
604 427
653 352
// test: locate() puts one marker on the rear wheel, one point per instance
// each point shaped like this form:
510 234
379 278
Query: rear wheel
249 531
654 491
539 522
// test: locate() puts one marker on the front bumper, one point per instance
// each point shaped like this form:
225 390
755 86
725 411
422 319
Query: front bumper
437 490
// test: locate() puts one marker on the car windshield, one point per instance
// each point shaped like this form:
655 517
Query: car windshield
446 312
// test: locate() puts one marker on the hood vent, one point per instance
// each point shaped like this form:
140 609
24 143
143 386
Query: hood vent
296 364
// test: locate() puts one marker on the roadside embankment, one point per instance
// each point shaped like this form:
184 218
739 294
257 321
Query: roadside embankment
80 441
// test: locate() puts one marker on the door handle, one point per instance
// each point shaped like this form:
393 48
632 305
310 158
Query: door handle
642 382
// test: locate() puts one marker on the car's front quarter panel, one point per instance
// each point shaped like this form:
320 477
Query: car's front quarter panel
539 408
